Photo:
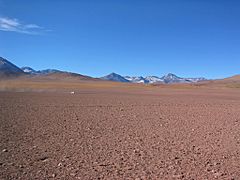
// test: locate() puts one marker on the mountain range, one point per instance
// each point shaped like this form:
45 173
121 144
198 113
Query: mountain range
166 79
7 69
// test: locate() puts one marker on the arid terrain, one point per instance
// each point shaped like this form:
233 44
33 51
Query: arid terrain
118 131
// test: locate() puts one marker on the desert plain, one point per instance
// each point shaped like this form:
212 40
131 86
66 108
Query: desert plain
118 131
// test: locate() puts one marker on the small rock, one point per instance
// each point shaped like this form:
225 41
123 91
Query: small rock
54 175
60 164
178 176
43 158
136 150
4 150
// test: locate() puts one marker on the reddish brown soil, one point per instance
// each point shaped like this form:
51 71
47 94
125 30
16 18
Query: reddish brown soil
160 134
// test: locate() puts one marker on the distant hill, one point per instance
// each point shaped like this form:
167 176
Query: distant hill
53 74
7 69
233 78
60 75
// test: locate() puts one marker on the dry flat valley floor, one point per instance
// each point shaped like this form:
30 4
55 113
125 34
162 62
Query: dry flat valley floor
119 134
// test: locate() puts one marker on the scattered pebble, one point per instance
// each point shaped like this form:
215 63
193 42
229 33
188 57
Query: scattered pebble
4 150
60 164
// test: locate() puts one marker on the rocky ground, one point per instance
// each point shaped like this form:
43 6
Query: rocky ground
165 134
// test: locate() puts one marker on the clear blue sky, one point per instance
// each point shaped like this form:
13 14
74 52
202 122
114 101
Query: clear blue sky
131 37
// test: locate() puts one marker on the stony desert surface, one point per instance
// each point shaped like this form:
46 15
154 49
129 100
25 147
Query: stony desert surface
116 133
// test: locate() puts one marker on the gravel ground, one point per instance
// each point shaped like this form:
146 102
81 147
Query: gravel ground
167 134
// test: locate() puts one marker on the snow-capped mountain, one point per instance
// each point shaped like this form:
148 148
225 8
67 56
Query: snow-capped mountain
172 78
154 79
9 69
29 70
196 79
166 79
115 77
137 79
